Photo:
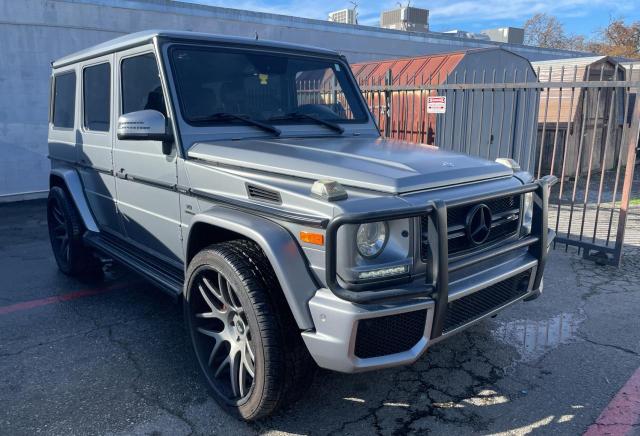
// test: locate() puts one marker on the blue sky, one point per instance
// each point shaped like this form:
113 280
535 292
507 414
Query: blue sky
578 16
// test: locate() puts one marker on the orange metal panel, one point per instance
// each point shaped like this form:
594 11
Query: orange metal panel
409 118
415 70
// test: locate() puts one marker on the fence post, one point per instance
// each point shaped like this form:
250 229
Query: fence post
632 142
388 81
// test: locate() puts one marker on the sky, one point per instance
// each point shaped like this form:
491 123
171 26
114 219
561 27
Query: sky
578 16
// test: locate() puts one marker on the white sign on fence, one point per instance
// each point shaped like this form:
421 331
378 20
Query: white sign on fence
436 105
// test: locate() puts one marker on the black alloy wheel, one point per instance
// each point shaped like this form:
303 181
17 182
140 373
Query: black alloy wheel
224 336
65 233
244 337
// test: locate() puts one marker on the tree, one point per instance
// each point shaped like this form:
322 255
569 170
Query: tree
618 39
544 30
577 43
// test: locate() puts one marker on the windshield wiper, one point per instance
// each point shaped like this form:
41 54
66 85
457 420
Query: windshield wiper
296 115
240 117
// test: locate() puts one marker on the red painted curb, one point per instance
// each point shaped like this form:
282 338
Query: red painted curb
622 413
25 305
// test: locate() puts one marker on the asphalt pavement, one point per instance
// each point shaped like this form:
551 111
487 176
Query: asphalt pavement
112 357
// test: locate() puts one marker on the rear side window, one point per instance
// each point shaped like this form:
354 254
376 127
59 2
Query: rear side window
64 100
141 87
96 96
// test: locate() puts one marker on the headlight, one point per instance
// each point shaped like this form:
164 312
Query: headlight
527 213
374 251
371 238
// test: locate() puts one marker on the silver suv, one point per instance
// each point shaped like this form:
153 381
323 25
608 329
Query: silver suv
248 180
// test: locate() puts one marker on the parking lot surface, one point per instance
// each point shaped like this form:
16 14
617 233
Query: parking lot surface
112 357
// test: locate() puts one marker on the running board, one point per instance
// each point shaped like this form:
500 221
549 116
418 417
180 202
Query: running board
169 278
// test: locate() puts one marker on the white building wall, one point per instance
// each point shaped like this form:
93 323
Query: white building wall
35 32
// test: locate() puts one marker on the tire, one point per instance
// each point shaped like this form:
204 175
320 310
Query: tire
241 329
65 234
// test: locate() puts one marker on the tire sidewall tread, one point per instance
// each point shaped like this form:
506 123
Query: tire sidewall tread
81 260
267 392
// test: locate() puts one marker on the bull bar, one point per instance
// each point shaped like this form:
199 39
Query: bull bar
438 287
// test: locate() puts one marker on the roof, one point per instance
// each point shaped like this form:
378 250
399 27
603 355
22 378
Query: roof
139 38
567 69
572 62
424 69
435 68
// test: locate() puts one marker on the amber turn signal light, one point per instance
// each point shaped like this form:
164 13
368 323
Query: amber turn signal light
312 238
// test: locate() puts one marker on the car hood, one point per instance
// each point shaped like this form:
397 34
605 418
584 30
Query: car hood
370 163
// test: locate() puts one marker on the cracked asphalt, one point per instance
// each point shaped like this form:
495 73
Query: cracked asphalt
114 358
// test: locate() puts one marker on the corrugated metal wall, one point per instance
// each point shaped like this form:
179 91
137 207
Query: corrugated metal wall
484 122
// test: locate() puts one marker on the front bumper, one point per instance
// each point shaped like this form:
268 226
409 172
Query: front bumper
339 313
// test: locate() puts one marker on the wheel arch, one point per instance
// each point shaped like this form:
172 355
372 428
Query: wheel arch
220 224
69 179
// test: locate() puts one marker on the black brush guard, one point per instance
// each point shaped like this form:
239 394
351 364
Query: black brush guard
438 263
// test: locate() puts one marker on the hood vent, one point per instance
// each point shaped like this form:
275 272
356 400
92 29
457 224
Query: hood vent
262 194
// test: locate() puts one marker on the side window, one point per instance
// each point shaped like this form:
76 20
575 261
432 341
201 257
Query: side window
141 87
96 97
64 100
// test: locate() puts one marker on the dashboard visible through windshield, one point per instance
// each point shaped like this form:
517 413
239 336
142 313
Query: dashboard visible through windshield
217 85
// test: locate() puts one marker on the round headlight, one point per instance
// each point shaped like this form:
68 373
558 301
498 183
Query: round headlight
371 238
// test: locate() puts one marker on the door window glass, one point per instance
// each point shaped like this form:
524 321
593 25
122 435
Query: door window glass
64 100
96 92
141 87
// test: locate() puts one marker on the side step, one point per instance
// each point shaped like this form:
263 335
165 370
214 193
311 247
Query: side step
169 278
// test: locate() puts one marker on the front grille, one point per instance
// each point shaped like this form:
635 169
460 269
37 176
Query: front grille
466 309
505 218
390 334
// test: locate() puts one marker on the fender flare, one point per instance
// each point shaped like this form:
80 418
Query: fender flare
72 181
281 249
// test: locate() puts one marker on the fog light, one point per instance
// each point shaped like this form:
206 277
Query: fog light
383 272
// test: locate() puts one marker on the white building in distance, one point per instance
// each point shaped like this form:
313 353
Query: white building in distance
345 16
511 35
405 18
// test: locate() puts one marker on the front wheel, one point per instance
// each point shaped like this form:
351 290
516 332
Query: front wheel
245 340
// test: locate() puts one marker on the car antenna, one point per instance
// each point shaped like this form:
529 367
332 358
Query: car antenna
256 35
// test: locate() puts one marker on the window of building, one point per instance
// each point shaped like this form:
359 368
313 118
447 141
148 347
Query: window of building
96 95
64 100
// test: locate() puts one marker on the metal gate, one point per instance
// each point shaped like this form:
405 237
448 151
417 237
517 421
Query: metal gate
579 125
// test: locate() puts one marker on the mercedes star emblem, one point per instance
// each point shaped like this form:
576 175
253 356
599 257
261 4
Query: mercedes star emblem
478 224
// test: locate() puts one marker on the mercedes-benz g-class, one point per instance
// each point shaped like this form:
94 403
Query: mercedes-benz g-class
249 180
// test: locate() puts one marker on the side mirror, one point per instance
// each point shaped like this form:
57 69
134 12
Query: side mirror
145 125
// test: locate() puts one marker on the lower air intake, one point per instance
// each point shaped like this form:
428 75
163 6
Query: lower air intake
389 334
466 309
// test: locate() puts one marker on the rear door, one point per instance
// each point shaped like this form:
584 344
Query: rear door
95 141
145 177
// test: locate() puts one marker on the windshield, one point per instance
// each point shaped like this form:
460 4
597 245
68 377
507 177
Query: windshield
222 86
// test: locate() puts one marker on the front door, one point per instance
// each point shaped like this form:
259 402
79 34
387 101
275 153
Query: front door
145 177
